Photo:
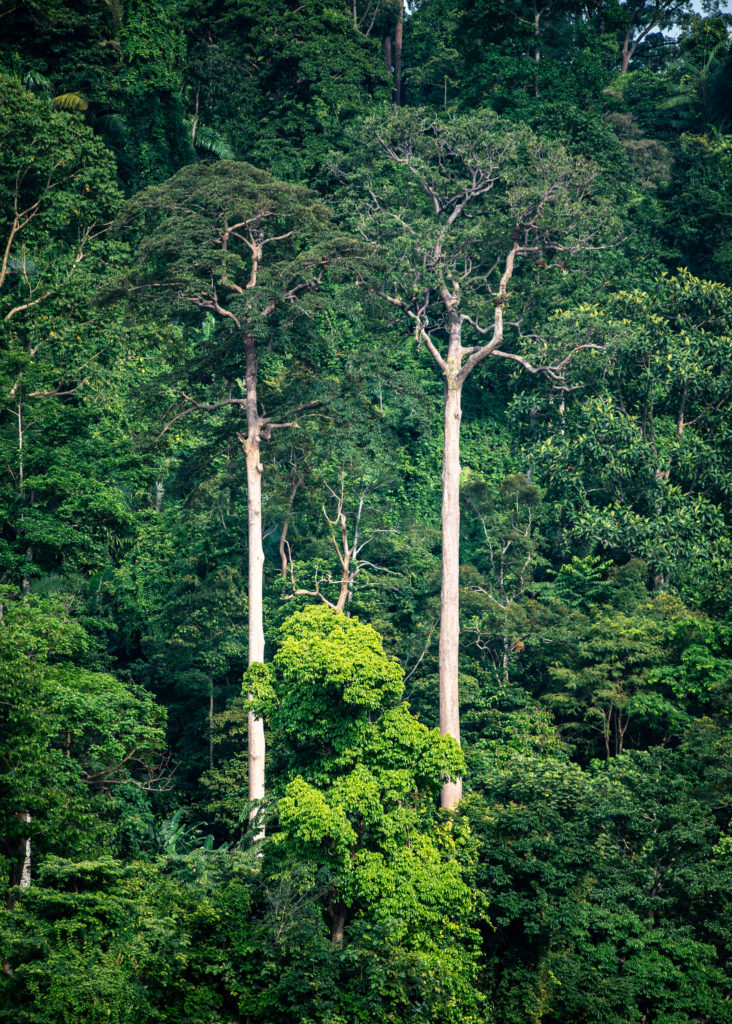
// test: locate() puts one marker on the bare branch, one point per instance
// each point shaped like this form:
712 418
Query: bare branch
198 407
420 331
58 392
27 305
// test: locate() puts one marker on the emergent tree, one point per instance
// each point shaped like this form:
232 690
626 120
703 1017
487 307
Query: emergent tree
229 241
456 204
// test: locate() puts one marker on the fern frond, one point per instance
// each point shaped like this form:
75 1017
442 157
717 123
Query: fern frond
46 586
70 101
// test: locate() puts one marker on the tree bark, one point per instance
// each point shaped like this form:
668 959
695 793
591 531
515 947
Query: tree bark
450 594
255 726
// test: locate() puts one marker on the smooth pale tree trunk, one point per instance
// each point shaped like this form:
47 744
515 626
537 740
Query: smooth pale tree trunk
255 726
450 593
345 560
25 873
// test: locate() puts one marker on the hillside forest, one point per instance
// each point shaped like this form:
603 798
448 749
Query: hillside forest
365 512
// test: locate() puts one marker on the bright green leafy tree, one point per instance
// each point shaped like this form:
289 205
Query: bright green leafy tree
360 811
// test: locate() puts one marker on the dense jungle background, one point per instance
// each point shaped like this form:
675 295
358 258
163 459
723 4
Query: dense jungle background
232 221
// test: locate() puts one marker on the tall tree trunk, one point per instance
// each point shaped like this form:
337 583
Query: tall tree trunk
25 871
387 53
630 45
398 36
354 547
537 47
345 560
505 658
255 726
337 912
450 595
22 427
210 722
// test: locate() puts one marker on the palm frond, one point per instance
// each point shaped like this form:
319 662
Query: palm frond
212 142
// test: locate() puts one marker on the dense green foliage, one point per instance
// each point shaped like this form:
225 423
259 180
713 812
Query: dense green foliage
317 187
